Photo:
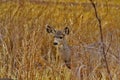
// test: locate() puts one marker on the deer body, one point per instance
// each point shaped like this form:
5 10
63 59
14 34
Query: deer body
61 44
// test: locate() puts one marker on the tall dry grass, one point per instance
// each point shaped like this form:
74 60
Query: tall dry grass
26 50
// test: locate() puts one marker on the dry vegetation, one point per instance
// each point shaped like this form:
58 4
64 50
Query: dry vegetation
27 52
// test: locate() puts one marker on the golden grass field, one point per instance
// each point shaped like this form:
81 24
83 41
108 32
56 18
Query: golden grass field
27 51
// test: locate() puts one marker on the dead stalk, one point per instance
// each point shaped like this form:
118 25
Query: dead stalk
101 38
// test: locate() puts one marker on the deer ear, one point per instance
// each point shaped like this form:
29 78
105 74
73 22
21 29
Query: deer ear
66 30
50 29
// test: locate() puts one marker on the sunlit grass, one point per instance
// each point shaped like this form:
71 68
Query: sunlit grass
27 52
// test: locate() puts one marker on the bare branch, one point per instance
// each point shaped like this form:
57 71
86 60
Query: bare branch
101 38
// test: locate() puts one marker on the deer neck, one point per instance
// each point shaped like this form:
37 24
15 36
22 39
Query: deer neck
63 46
64 50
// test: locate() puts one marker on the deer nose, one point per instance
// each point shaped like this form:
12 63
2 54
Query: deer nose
55 43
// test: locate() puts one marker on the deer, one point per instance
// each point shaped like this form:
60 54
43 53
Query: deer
61 44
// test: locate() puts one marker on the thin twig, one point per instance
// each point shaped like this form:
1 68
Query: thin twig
109 45
102 39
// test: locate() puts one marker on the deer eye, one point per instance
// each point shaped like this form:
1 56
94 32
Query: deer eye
60 37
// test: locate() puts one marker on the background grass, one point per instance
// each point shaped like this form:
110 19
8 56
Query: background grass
27 52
